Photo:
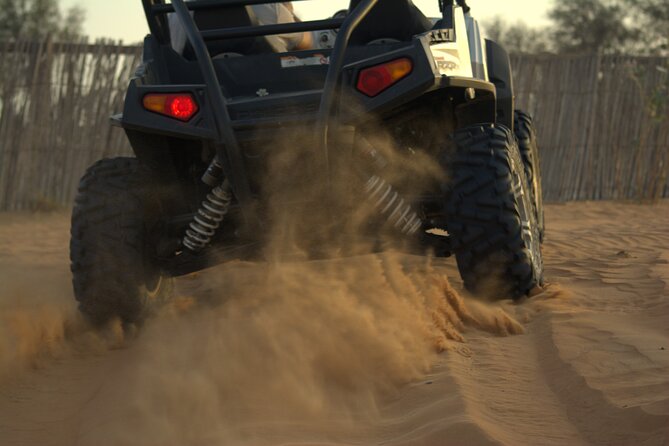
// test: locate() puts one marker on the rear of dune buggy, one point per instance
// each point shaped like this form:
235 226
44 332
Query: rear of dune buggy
201 124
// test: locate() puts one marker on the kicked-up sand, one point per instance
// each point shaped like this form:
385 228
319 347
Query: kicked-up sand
376 349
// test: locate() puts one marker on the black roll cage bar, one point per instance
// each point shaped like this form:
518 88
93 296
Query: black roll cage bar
227 145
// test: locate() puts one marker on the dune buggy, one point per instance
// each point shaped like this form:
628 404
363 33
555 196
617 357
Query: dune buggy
202 124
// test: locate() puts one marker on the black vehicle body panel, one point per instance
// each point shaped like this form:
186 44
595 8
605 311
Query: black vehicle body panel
499 72
294 93
255 97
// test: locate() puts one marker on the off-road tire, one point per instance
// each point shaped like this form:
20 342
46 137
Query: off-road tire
492 226
527 143
112 270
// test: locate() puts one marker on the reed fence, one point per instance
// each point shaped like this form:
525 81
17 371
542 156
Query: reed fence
603 122
55 104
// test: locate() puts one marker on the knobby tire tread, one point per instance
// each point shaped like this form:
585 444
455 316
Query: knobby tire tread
482 211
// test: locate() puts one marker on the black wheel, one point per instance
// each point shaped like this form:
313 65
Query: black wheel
527 143
110 250
491 220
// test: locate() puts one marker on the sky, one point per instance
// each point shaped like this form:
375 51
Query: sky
124 19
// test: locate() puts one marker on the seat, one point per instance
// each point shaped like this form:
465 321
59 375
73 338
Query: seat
390 19
231 17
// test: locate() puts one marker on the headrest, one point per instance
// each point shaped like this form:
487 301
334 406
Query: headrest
390 19
229 17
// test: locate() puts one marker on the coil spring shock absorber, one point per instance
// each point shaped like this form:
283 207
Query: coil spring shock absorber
208 218
398 212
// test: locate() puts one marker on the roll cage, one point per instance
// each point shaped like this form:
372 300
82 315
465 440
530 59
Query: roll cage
228 150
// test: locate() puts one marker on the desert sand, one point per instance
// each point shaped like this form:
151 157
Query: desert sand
378 349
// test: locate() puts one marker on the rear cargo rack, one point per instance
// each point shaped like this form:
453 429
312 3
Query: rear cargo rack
227 147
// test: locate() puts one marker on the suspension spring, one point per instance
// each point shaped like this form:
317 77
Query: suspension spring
397 211
208 218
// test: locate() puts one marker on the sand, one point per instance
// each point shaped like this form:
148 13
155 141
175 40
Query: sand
376 349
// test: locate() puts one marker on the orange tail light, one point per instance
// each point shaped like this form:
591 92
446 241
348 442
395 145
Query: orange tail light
375 80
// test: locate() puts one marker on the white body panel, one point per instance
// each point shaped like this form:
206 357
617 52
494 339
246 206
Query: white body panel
450 58
454 58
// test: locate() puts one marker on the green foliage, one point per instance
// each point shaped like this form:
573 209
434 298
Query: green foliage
611 26
37 19
518 37
652 25
639 27
12 14
72 26
588 26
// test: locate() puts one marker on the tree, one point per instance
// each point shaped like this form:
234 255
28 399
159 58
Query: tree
652 25
611 26
12 14
518 37
638 27
73 23
589 26
37 19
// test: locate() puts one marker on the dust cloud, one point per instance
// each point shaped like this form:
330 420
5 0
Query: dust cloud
281 347
305 346
28 335
267 353
39 323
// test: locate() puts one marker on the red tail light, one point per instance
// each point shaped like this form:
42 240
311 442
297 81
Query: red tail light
181 106
373 81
